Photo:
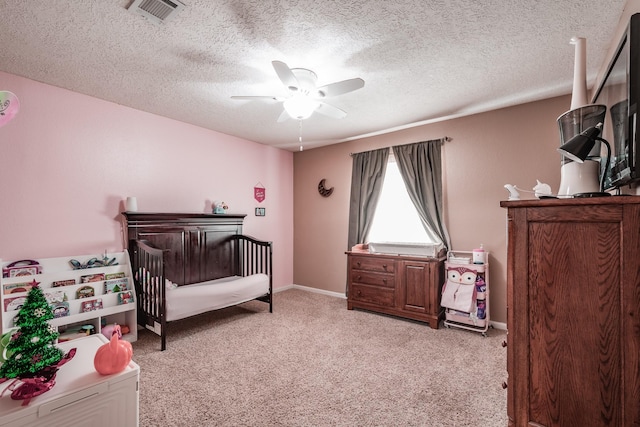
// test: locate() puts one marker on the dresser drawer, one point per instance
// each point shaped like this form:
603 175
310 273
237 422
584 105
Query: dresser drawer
371 278
372 294
383 265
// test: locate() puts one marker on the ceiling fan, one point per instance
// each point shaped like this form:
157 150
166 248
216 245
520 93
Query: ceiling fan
305 97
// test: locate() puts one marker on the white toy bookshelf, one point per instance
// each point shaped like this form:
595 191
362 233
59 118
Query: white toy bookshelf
93 312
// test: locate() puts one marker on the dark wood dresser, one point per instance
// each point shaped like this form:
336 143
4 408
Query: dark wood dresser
573 312
408 287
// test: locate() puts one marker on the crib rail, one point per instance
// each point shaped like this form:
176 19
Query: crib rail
254 256
149 279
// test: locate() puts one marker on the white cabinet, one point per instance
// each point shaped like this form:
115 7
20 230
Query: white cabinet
92 304
81 396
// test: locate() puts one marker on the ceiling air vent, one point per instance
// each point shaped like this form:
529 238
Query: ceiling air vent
158 11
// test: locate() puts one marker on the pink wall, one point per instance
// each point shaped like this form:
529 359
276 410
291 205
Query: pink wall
69 160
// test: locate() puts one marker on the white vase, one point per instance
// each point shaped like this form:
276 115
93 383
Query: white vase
579 94
131 205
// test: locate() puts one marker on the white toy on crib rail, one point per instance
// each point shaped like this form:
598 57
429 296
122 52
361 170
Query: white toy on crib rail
542 189
513 193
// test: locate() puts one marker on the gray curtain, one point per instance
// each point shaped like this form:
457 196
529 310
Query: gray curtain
420 166
367 176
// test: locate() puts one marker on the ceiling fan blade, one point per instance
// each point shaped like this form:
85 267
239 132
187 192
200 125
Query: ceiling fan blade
284 116
331 111
274 98
285 74
338 88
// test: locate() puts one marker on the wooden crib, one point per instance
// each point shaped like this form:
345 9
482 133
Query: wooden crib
188 264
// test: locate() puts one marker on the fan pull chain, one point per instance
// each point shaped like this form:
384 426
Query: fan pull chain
300 134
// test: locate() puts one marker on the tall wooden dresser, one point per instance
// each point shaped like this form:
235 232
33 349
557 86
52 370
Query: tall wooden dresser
402 286
573 312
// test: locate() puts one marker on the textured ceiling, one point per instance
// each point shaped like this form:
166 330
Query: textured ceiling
421 60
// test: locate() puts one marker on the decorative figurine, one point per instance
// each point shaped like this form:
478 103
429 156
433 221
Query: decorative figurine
114 356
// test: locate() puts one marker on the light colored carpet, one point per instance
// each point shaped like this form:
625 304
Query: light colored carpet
312 362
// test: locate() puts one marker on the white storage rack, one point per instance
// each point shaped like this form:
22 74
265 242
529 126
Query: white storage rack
478 319
60 269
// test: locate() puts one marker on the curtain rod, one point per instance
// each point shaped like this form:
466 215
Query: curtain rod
443 139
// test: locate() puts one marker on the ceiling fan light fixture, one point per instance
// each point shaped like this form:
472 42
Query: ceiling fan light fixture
300 106
305 97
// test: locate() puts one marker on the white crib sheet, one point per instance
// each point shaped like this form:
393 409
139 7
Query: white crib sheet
189 300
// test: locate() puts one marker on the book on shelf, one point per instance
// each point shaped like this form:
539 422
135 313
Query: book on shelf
125 297
98 277
116 285
14 288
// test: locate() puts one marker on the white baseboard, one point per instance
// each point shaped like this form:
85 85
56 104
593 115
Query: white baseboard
498 325
310 289
495 325
283 288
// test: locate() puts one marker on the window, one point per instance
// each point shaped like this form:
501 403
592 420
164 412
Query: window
396 219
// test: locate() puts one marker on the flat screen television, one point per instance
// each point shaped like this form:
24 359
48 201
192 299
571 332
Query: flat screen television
619 91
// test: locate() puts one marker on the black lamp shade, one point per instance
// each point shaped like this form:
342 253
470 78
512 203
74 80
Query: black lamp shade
579 147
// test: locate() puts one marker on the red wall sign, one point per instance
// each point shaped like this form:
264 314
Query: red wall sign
259 193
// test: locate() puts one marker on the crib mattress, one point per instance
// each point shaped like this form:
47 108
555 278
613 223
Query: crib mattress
189 300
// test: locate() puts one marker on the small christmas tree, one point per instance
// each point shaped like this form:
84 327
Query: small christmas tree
32 345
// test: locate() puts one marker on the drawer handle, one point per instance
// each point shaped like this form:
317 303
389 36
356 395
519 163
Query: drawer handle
359 278
504 385
384 281
358 263
384 266
504 343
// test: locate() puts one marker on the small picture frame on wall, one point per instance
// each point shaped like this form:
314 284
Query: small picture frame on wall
260 212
